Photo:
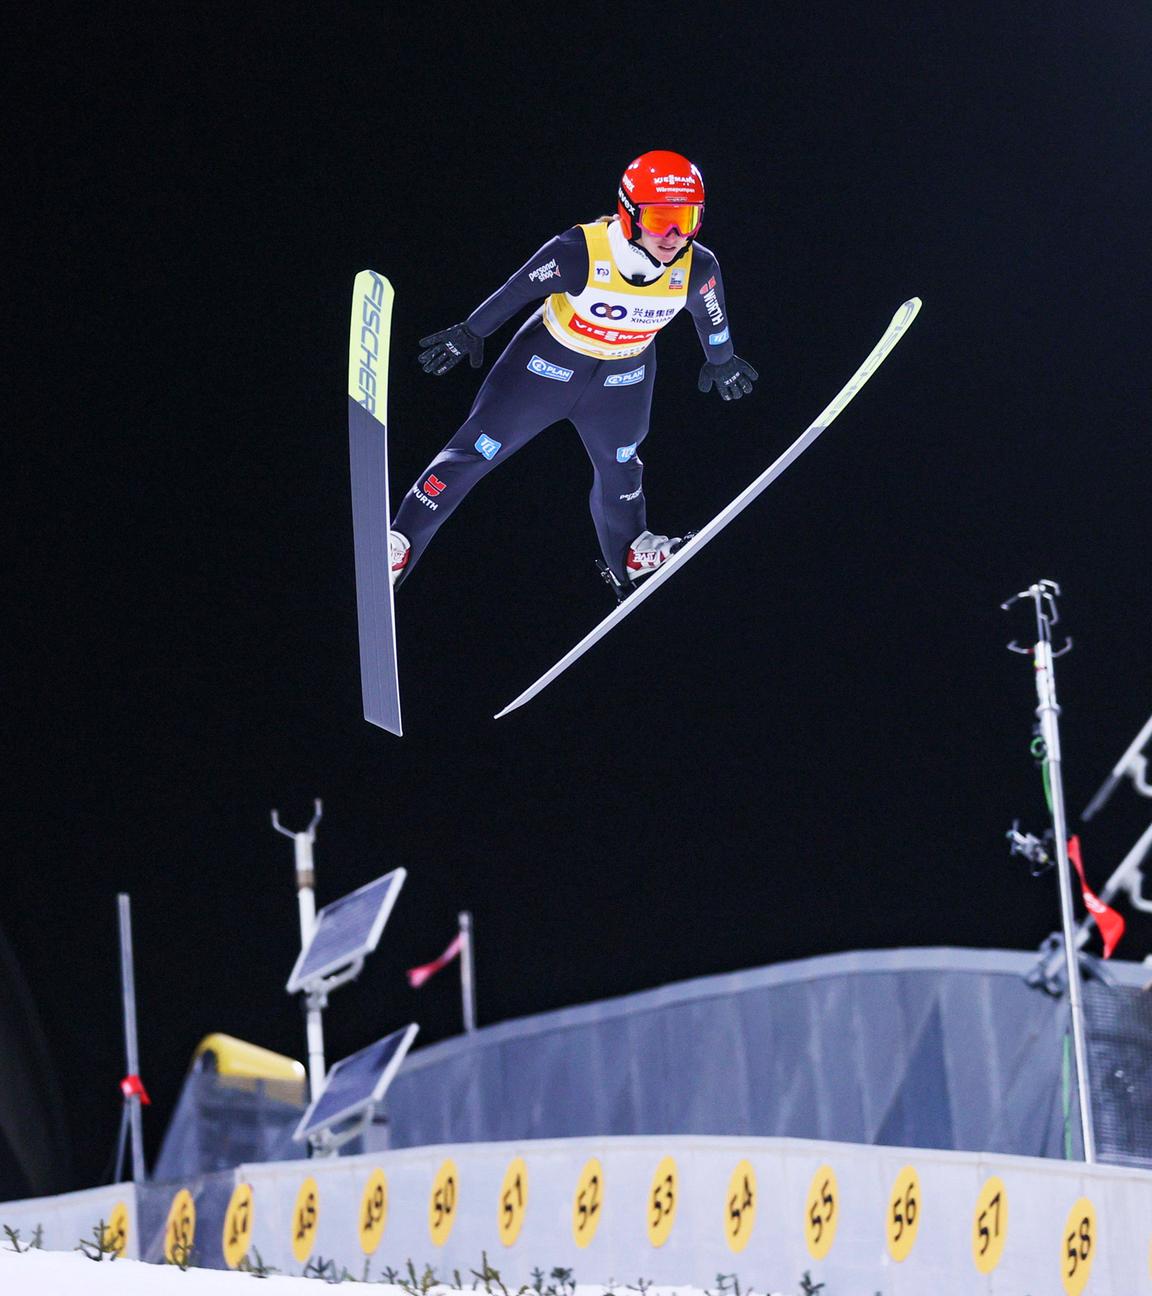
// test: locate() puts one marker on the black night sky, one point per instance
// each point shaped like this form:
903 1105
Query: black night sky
811 740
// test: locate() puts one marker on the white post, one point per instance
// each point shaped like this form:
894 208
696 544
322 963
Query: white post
131 1046
306 902
467 973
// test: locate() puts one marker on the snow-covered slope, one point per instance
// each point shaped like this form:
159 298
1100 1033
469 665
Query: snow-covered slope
62 1273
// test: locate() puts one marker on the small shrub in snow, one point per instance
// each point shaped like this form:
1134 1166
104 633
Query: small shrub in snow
102 1243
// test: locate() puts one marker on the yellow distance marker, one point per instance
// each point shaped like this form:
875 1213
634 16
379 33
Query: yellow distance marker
588 1203
740 1207
1078 1246
903 1219
180 1230
238 1220
513 1201
990 1225
663 1198
305 1220
373 1212
821 1212
115 1235
442 1202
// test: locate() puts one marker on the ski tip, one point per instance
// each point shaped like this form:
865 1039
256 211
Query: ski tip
915 303
517 703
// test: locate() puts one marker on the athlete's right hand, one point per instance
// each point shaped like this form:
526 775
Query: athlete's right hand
444 351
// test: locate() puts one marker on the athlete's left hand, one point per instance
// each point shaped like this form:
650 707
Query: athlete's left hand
733 378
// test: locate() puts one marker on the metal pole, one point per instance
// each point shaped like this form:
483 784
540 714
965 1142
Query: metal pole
121 1144
306 903
131 1048
314 1005
1048 712
467 973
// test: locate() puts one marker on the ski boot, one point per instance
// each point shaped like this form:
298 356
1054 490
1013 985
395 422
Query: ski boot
646 554
399 551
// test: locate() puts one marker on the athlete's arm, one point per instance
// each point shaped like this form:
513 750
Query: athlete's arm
560 265
722 368
707 307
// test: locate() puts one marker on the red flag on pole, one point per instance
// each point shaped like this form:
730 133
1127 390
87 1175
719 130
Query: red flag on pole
418 975
133 1087
1111 923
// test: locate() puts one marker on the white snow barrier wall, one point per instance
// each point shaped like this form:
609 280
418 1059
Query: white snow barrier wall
61 1223
676 1210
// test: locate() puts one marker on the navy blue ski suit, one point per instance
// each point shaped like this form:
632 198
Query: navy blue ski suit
538 381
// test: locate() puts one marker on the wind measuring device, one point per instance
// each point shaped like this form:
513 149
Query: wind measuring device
334 943
1043 596
354 1088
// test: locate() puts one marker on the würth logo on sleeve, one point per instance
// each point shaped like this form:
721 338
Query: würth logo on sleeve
433 486
711 304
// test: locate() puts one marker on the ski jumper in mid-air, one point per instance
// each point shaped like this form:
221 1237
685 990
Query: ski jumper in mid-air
585 355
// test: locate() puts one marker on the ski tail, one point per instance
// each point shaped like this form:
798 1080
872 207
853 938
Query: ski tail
368 345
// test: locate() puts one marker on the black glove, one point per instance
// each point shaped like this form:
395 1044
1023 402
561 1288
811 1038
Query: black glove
445 350
733 378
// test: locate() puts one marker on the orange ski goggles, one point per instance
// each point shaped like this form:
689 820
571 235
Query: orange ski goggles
663 218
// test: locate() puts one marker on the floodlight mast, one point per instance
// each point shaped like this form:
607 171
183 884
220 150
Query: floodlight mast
1133 764
1125 877
302 843
1043 595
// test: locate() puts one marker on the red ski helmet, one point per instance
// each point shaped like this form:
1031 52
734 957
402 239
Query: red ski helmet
660 178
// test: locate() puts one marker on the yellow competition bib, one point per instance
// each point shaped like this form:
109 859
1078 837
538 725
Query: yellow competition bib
612 319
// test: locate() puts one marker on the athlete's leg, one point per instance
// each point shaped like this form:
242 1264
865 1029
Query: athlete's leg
532 385
612 419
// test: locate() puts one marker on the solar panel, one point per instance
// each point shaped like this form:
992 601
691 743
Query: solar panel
356 1084
346 930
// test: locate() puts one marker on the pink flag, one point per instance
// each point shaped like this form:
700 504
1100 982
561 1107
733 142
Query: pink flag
418 975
